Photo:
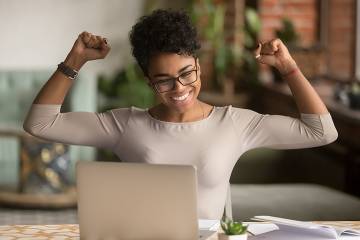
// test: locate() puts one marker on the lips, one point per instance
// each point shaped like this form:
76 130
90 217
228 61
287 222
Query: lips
181 97
182 100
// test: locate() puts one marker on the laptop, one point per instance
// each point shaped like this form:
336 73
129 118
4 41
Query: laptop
137 201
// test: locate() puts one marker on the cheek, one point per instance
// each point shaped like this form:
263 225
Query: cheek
163 97
198 86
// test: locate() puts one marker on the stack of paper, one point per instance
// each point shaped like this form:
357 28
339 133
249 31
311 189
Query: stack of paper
281 229
208 224
207 228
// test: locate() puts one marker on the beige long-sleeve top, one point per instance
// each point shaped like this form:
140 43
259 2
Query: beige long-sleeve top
213 144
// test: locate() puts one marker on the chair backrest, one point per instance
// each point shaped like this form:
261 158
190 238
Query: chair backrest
17 89
17 92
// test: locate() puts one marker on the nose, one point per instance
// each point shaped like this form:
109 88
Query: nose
178 85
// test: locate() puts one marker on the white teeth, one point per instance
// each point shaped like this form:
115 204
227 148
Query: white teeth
181 98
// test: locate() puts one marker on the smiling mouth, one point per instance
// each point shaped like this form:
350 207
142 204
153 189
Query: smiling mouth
181 98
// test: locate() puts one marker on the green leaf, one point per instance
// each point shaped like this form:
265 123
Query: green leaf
253 21
232 228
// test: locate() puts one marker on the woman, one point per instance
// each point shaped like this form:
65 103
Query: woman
181 129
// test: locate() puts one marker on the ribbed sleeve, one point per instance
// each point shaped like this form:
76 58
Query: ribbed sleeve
283 132
80 128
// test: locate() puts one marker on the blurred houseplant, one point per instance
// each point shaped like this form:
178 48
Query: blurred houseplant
249 67
348 94
290 38
287 33
229 60
209 16
310 59
125 88
354 95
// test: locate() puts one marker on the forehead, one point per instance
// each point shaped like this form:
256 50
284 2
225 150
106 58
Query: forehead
169 63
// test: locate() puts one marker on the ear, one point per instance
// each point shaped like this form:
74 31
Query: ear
148 82
198 66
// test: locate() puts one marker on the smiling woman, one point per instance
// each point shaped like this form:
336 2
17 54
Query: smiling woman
178 94
180 129
165 44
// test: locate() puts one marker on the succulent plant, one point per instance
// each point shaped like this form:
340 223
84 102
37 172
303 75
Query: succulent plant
231 227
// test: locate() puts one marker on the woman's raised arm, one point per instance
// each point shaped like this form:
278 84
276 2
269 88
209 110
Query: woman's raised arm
44 119
275 53
86 47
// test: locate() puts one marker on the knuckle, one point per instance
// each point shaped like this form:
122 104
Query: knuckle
278 40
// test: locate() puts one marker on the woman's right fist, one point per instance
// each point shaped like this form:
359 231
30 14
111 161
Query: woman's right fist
87 47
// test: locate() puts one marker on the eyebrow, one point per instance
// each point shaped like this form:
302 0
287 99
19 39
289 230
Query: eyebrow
167 75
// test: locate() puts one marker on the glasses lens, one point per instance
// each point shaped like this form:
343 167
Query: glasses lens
185 78
188 77
164 86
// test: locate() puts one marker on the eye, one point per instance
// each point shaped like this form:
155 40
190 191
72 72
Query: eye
162 81
186 74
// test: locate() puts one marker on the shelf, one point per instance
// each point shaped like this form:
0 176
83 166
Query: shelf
25 200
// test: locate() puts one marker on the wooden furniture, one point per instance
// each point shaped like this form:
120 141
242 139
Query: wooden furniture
276 98
71 231
65 199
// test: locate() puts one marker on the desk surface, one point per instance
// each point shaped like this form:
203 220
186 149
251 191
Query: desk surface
71 231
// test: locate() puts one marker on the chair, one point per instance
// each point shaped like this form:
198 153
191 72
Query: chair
17 91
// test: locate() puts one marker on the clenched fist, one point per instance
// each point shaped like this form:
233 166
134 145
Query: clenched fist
87 47
276 54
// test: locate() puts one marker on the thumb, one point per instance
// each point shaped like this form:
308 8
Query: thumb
257 51
268 59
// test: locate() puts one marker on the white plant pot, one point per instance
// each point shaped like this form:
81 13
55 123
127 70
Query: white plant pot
223 236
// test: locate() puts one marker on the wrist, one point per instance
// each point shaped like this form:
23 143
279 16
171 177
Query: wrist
73 62
290 72
287 67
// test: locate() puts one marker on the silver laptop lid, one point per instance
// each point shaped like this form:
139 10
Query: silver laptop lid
136 201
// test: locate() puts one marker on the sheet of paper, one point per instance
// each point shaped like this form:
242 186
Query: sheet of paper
259 228
288 226
209 224
280 235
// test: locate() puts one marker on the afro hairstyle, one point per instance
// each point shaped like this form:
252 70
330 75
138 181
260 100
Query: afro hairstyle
167 31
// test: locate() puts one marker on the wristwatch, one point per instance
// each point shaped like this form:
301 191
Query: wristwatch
69 72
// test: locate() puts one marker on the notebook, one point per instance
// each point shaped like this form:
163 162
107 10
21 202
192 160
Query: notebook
282 229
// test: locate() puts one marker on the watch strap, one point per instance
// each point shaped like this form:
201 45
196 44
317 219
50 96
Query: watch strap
69 72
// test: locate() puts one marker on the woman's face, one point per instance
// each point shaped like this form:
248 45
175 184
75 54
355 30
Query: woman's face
167 66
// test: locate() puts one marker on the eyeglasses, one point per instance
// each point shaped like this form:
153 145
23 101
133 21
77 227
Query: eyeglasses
185 78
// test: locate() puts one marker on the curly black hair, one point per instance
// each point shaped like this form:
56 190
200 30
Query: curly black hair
163 31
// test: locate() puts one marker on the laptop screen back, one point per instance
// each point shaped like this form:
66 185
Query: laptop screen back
136 201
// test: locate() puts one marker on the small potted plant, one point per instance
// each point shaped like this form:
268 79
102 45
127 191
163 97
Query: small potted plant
354 95
232 230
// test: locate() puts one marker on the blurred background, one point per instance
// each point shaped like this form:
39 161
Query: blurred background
37 177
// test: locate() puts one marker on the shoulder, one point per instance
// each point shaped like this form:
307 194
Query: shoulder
237 113
124 114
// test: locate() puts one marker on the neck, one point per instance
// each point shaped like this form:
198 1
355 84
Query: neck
165 114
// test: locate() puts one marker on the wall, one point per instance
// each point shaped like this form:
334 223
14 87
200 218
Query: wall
339 27
341 38
38 34
303 14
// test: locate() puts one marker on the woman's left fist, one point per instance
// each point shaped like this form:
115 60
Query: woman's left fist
276 54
